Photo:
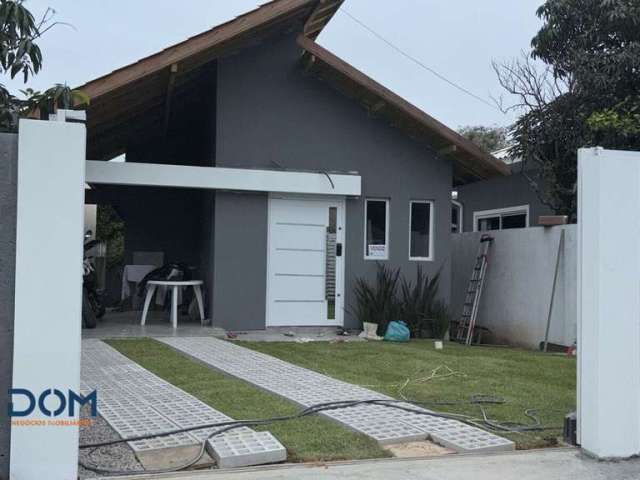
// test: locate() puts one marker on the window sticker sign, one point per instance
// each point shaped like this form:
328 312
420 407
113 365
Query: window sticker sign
378 251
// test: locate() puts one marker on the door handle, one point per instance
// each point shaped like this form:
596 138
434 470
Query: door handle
338 249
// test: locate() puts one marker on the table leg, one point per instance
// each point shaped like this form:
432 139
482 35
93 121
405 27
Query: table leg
198 292
174 305
147 301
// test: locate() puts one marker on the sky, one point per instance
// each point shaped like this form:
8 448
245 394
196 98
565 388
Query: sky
456 38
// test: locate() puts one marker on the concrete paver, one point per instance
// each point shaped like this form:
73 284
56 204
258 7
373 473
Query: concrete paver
307 388
136 402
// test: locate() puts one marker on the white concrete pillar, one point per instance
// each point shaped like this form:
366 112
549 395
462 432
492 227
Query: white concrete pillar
47 322
609 302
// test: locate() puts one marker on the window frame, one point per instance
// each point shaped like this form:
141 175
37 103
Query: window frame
460 215
432 211
500 212
387 217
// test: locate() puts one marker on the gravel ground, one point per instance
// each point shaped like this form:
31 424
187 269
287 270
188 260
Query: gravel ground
116 457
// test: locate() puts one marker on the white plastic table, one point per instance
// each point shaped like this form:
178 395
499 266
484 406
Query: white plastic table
174 286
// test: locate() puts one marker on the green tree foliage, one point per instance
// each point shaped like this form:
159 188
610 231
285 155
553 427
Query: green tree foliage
579 87
21 55
488 139
110 228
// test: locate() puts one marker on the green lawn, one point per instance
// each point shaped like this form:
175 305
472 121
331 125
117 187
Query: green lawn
307 439
525 379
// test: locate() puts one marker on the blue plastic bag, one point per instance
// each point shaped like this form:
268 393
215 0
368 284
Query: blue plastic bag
397 332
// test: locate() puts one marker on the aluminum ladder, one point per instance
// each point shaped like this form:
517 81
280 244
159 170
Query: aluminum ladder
467 323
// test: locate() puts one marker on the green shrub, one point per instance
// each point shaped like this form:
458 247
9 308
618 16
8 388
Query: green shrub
393 297
418 302
378 303
440 319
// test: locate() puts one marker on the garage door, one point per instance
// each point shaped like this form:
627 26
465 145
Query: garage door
306 262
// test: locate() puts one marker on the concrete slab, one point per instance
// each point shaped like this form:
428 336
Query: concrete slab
254 448
548 464
296 334
135 402
127 325
306 388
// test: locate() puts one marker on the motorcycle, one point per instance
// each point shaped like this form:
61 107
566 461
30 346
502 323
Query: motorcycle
92 306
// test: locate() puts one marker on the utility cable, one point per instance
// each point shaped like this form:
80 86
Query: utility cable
223 427
415 60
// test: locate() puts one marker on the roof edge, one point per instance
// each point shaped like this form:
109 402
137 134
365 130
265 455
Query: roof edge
181 51
494 166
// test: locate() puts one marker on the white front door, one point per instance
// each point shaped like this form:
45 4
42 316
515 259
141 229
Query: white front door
305 272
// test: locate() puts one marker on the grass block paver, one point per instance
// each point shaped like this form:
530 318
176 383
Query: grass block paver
306 388
136 402
236 450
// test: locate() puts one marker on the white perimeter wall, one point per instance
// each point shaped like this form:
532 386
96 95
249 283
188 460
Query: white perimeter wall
517 291
51 161
609 302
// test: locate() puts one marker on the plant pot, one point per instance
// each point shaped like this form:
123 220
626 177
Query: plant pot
370 331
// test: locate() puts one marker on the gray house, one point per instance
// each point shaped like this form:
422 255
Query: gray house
499 203
326 172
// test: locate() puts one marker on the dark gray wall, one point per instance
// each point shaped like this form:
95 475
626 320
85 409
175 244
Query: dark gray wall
269 111
501 192
8 197
240 275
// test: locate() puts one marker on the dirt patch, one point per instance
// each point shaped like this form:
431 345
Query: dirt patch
418 449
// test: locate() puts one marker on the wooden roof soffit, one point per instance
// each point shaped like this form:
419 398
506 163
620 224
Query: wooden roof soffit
321 15
226 32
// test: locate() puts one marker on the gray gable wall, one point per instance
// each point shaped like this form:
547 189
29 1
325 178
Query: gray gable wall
268 112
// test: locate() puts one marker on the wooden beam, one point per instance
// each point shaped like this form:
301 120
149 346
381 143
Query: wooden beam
376 108
167 105
319 18
448 150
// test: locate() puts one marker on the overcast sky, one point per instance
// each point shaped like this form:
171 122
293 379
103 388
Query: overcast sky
457 38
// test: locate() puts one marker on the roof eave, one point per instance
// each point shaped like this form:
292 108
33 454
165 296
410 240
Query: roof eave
472 163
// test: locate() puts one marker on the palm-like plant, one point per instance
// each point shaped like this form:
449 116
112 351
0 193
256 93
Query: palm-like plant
418 300
378 303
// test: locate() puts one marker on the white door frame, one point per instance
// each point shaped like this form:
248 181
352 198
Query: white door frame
341 221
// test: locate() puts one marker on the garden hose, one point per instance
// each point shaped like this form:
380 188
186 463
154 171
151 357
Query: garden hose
480 400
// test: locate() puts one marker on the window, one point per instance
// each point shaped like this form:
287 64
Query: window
456 217
376 229
421 230
502 219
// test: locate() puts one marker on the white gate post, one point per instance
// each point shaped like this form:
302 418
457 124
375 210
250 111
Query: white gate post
609 302
47 322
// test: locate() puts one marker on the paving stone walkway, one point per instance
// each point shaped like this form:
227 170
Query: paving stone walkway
136 402
306 388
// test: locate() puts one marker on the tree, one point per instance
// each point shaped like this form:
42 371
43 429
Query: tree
488 139
578 87
21 55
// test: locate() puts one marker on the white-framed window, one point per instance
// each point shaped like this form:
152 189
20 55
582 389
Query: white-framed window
421 230
501 219
457 217
376 229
